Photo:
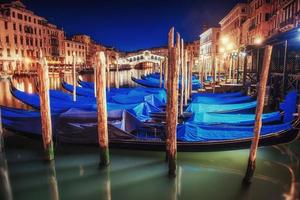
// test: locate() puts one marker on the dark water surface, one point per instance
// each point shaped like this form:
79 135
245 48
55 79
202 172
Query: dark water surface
138 174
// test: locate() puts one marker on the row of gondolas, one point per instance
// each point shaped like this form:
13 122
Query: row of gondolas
136 117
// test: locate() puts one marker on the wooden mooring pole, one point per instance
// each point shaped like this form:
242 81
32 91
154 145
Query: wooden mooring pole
108 72
166 73
258 113
118 74
45 108
160 74
182 76
95 80
74 78
172 105
186 95
102 112
1 134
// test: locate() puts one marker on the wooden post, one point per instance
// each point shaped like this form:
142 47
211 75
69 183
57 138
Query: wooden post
172 106
258 114
245 70
95 80
74 78
284 78
182 76
102 112
45 108
118 74
238 67
108 72
166 73
191 64
1 134
170 47
186 77
160 74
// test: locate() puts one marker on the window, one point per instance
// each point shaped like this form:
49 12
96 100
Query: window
40 32
8 52
13 14
29 19
25 17
41 42
7 39
17 51
20 28
14 26
20 16
16 39
5 25
34 20
22 53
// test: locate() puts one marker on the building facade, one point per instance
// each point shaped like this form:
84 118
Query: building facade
209 52
193 49
257 28
23 34
75 52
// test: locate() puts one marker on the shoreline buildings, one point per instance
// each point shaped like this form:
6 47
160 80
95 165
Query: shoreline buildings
244 31
23 34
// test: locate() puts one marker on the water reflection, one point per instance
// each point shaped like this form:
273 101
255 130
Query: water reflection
29 84
54 192
5 187
106 185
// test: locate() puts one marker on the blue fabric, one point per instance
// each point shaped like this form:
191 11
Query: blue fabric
56 105
289 106
218 95
221 100
190 132
219 108
234 119
154 83
126 95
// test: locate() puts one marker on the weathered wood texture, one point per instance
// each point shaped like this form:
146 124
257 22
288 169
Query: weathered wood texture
258 113
172 109
43 77
102 111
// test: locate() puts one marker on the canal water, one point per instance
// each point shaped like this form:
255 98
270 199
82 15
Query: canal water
138 174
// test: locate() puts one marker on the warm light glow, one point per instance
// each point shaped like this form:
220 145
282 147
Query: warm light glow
222 49
230 46
243 54
258 40
27 61
224 40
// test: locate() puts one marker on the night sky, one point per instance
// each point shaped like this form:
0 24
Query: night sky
132 24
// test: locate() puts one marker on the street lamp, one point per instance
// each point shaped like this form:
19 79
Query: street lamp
258 40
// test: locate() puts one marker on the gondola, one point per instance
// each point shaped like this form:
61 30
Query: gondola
77 127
